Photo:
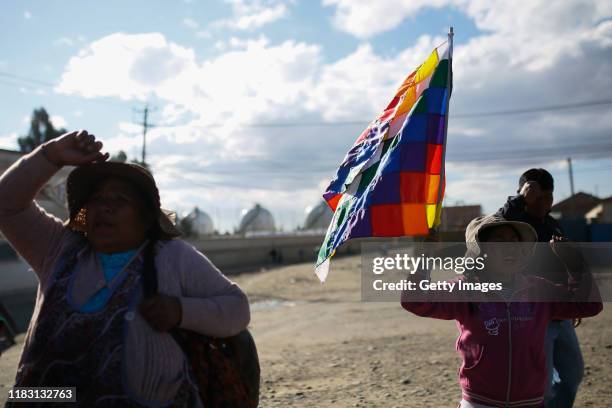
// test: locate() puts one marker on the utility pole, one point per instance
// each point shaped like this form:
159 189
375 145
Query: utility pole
145 127
571 178
571 174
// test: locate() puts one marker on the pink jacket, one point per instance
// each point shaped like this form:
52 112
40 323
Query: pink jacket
502 344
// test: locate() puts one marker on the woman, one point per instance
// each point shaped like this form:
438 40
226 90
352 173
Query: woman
501 340
92 326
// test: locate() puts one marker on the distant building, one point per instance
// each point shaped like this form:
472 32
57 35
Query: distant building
575 207
457 218
318 217
601 213
257 219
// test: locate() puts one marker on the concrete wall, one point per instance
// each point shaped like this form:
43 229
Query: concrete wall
234 254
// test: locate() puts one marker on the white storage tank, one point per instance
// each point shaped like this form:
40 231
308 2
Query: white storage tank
201 222
257 219
318 217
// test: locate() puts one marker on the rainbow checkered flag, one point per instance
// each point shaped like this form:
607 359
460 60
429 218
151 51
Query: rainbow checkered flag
391 182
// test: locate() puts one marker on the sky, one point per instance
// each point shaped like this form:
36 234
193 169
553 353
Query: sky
259 101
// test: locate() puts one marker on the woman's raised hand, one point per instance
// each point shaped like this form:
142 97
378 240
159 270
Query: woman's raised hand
73 149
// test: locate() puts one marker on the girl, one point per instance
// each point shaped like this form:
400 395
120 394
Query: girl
501 341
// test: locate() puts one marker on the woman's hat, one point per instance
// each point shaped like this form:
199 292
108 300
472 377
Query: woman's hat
82 181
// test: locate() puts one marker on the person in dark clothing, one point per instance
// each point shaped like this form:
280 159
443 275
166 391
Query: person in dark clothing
532 205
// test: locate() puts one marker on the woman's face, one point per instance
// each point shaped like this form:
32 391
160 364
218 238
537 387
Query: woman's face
115 219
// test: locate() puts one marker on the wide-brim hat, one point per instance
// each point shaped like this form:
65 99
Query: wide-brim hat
527 234
83 179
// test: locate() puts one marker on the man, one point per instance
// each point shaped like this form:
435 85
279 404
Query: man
532 205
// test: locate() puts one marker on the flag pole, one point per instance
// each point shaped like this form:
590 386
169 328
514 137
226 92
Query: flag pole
451 33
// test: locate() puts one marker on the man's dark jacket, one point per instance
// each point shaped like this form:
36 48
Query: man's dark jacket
545 263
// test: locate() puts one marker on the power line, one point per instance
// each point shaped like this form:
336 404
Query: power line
508 112
37 82
592 151
548 108
605 168
26 79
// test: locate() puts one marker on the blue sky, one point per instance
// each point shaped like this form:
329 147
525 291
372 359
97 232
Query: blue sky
211 69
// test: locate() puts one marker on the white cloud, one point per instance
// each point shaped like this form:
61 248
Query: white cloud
69 42
127 66
522 19
9 141
58 121
220 45
364 18
64 41
216 91
337 96
129 128
203 34
27 15
482 184
250 15
203 139
127 139
190 23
